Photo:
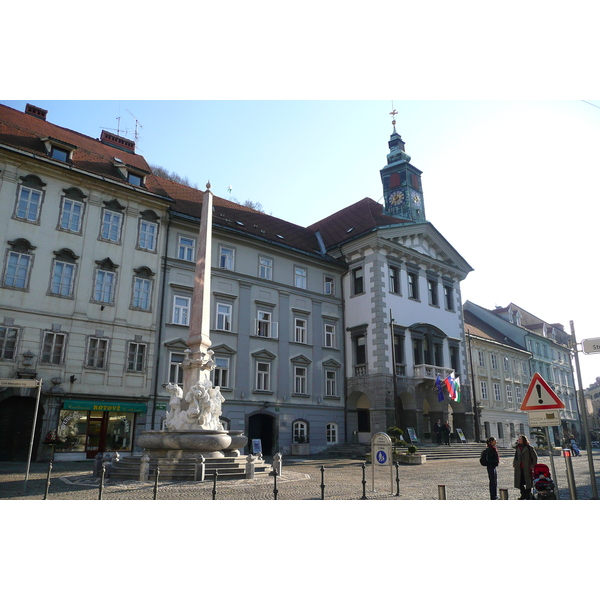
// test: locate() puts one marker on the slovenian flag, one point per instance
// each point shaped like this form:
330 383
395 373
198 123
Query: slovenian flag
438 384
449 383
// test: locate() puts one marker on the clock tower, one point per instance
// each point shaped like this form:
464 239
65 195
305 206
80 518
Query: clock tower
402 190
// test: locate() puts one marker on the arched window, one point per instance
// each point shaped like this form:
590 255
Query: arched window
300 432
331 433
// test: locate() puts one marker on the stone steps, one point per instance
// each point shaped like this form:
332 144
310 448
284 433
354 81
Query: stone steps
184 469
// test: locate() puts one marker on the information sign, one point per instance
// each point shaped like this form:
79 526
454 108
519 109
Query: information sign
545 418
591 346
461 436
381 455
412 434
20 383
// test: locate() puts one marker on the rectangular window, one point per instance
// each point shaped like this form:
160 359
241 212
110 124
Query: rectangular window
494 360
329 288
300 380
104 287
147 239
111 226
186 249
497 393
329 335
394 274
264 324
136 357
96 354
509 394
300 331
28 206
17 270
134 179
221 372
265 268
223 317
226 257
175 368
357 281
71 215
360 350
8 342
330 383
263 376
484 390
432 287
181 310
62 278
142 291
449 297
413 286
53 348
481 358
300 277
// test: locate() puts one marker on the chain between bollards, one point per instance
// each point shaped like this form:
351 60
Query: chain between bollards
397 465
364 481
322 482
48 480
156 474
275 490
214 491
102 474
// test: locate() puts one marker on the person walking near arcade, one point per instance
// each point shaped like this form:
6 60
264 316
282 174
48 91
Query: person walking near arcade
524 461
493 460
446 430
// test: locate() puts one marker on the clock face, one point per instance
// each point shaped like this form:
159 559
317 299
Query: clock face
397 198
416 198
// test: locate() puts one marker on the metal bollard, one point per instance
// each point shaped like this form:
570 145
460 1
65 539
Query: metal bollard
503 494
102 474
322 482
214 491
397 464
48 480
442 492
364 481
156 474
570 474
275 490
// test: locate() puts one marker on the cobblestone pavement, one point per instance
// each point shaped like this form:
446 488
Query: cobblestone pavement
464 479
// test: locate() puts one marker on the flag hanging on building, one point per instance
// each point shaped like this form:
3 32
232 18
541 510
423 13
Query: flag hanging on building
438 385
457 389
449 383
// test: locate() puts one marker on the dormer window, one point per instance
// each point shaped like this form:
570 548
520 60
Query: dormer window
135 179
130 174
59 150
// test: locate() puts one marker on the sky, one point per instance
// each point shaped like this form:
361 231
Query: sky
512 185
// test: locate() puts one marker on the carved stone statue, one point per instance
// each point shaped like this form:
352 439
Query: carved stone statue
199 410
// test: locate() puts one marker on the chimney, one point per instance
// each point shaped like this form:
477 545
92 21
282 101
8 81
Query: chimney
34 111
116 141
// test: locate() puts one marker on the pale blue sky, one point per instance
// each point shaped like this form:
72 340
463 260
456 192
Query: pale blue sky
514 186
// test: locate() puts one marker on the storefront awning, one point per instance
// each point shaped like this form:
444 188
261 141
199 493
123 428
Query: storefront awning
136 407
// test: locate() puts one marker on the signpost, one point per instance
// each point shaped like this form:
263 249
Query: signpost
542 405
591 346
381 456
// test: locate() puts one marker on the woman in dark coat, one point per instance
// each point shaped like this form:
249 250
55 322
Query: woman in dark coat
524 461
493 460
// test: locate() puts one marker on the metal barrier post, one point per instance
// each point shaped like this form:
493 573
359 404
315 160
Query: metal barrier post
570 474
442 492
397 479
48 480
275 490
503 494
322 482
364 481
102 474
156 474
214 491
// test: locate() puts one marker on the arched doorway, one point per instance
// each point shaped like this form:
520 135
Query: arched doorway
261 426
16 420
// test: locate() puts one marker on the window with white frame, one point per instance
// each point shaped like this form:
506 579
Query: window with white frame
71 214
221 372
509 393
223 317
18 263
494 359
53 348
186 248
226 258
518 394
105 283
481 358
329 286
63 275
181 310
300 330
136 357
265 268
96 353
110 230
8 342
331 433
300 277
29 199
300 380
263 376
265 327
331 383
329 335
142 289
176 368
394 279
147 235
300 432
484 390
497 393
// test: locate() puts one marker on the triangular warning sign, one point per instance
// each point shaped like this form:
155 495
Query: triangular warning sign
540 396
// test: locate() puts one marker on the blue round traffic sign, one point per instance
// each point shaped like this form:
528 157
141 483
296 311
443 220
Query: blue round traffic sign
381 457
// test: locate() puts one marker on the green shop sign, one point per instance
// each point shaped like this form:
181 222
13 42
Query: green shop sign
135 407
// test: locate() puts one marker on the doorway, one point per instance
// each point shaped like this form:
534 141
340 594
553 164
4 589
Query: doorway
16 420
262 427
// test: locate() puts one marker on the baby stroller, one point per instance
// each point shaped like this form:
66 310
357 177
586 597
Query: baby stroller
543 486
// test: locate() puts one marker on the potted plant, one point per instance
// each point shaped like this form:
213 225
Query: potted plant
412 457
300 446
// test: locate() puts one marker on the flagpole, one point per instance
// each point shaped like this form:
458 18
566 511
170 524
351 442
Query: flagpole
475 409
